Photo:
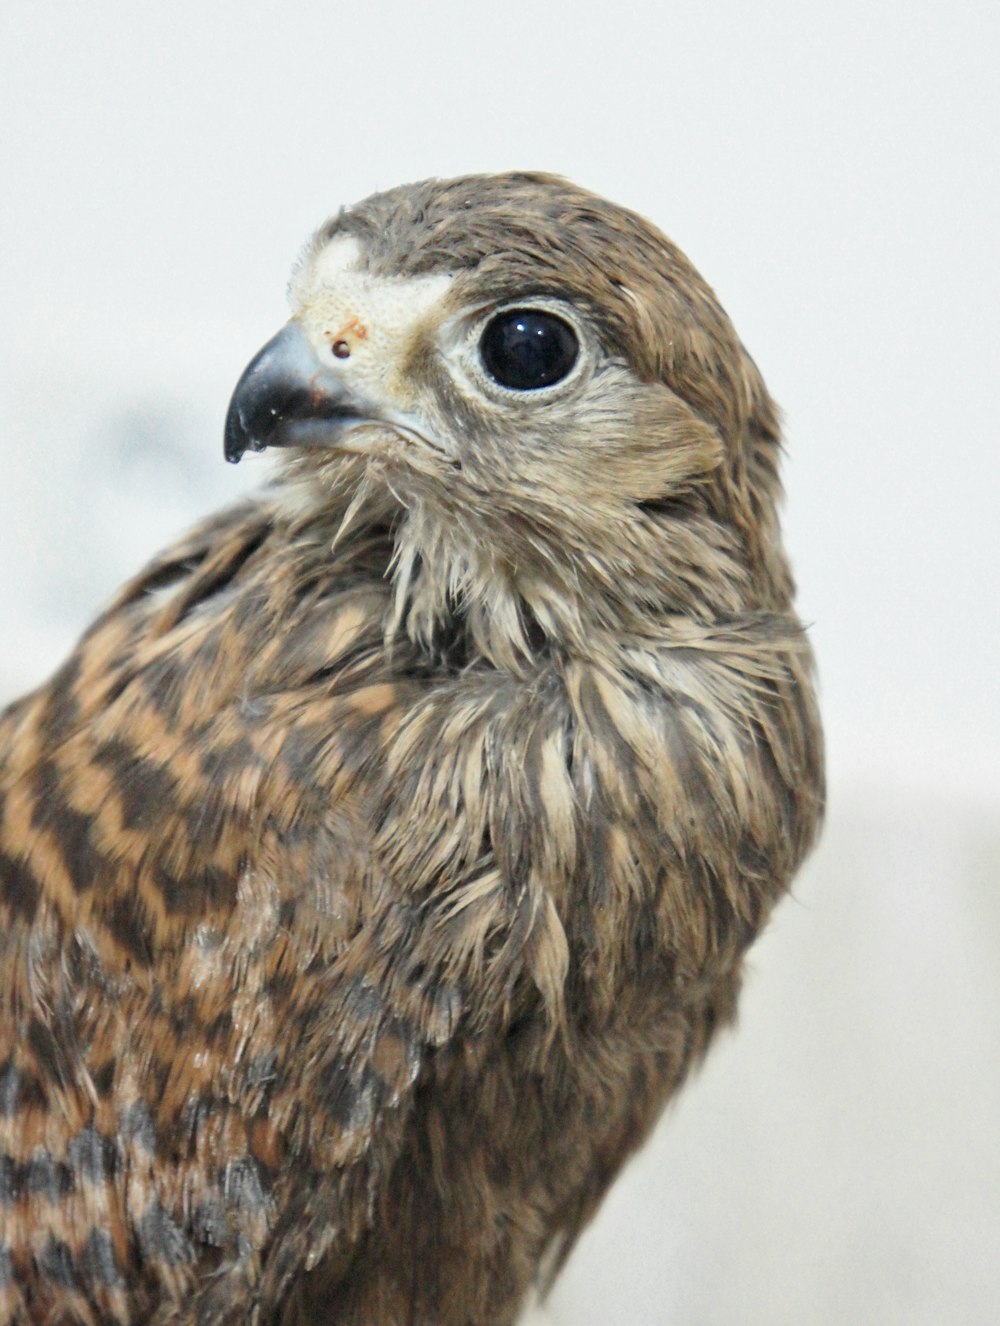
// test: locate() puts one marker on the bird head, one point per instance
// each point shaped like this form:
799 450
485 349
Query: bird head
540 396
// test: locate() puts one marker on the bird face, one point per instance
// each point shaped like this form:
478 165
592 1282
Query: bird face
532 395
516 393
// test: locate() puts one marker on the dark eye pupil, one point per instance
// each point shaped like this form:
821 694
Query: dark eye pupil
525 348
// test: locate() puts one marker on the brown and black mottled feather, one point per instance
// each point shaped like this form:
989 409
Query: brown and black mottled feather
385 856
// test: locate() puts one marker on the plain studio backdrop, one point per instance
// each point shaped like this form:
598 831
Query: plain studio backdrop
832 171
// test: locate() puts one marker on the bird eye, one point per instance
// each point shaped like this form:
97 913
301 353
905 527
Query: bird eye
525 348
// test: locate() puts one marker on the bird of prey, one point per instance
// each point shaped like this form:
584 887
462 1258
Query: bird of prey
386 854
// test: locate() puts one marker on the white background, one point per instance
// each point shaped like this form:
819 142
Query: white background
832 170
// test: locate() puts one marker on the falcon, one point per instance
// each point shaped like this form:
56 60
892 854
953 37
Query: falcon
385 856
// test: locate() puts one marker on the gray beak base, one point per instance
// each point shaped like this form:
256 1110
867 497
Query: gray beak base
284 398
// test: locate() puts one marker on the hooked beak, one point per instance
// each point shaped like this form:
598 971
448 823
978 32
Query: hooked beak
285 398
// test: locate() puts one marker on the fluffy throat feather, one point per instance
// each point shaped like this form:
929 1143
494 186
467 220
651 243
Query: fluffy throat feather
444 589
471 579
456 595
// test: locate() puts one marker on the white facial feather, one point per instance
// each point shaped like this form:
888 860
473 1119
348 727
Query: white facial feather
372 320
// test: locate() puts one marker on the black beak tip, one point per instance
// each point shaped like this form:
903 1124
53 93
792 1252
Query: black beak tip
236 441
